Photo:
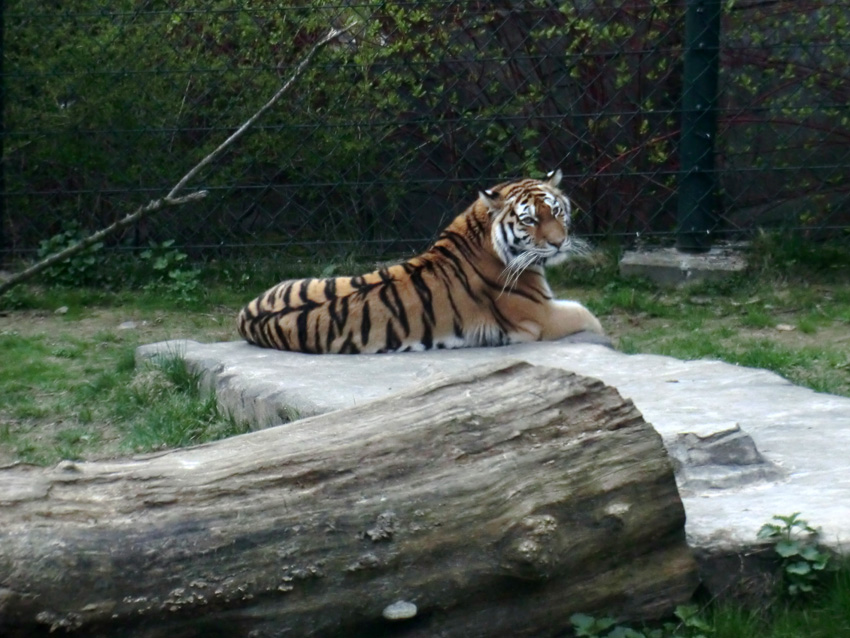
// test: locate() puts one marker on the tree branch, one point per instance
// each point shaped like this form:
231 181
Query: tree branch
173 198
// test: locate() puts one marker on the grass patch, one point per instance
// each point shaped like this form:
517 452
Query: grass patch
796 327
757 318
790 254
171 408
65 396
824 615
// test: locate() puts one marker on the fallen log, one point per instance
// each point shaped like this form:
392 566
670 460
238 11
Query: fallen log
494 503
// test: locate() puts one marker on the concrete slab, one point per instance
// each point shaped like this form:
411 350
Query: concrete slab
747 444
668 266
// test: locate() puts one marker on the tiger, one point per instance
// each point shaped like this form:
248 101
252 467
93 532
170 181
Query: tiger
481 283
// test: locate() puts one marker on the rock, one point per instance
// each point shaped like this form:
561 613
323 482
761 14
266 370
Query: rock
400 610
800 435
719 459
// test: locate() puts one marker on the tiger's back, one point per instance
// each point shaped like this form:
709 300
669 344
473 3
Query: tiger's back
480 284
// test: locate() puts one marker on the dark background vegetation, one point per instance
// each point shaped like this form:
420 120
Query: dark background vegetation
396 126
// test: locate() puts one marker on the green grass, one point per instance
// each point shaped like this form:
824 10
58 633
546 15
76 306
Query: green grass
165 407
789 319
66 396
826 614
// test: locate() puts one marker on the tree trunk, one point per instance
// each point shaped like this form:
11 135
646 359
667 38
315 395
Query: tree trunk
498 502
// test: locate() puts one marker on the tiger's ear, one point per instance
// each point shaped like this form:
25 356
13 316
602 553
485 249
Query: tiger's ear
491 200
554 177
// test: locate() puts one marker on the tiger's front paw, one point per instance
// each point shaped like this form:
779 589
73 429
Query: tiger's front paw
592 323
569 317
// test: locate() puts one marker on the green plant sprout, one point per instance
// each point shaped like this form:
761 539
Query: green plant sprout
803 561
691 625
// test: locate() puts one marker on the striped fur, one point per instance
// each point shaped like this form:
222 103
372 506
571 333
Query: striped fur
480 284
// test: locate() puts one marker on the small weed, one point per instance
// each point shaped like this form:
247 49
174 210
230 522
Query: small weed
72 443
631 297
166 271
807 325
757 318
18 298
691 624
586 626
66 352
803 562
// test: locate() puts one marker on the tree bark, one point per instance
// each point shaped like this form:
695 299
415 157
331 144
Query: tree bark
498 502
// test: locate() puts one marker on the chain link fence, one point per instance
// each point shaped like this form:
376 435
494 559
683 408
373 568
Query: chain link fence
398 124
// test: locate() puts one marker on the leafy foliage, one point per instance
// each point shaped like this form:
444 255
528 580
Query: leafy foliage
785 114
402 120
803 562
168 272
83 269
691 624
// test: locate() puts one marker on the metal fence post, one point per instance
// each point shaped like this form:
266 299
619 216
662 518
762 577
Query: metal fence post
697 216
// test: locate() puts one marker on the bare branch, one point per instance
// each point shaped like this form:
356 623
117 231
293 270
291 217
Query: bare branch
332 35
91 240
172 199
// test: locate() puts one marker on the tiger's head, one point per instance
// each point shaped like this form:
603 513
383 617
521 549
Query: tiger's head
530 223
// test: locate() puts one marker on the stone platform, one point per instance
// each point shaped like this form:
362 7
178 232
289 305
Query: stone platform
668 266
746 443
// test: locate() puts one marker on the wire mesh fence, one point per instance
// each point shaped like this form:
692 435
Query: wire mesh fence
398 124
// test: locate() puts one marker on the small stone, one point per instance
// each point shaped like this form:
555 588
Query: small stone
128 325
785 327
400 610
61 310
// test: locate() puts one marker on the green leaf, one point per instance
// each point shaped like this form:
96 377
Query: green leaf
582 621
686 612
800 568
821 563
786 548
769 531
811 553
602 624
789 521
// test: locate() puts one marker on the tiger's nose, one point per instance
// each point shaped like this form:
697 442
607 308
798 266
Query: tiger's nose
557 239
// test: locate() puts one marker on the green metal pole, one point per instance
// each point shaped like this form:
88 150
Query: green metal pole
697 182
